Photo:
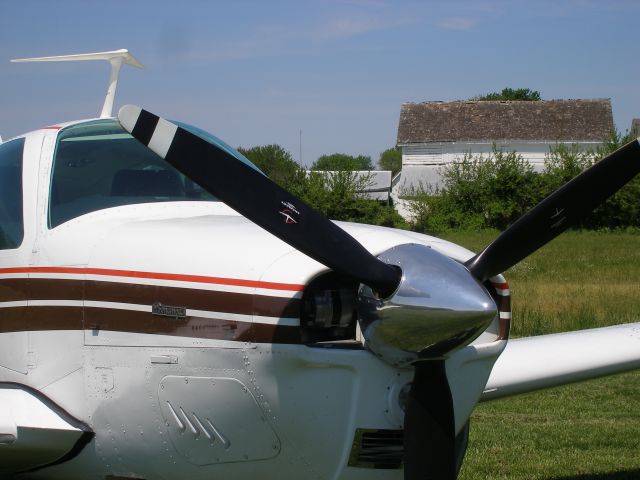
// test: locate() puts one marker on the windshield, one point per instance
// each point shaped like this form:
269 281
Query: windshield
98 165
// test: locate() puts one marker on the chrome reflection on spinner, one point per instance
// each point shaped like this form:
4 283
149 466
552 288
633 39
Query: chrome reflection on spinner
437 308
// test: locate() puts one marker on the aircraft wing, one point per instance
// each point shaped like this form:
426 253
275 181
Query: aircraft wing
534 363
35 432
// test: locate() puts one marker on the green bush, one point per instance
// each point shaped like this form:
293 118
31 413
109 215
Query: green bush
478 192
562 163
495 191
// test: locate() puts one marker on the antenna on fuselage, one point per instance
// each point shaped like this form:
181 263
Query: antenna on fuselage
116 58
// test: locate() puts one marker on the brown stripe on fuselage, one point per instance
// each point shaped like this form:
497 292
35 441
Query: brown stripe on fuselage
505 328
214 301
12 319
38 318
191 326
145 322
32 318
265 333
13 289
55 289
76 318
54 318
194 299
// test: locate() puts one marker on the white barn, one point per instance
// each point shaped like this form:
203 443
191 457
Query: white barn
434 134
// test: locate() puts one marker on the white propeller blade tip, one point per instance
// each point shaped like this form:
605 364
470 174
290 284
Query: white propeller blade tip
128 116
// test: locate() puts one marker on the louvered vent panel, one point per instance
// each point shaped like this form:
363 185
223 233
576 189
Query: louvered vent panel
381 449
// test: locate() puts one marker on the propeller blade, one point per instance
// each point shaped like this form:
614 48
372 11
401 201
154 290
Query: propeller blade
429 425
253 195
562 209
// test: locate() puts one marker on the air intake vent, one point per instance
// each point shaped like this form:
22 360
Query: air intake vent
382 449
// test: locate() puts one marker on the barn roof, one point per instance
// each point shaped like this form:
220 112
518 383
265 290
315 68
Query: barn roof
556 120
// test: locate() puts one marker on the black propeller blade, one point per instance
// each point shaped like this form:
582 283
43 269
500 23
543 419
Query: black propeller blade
259 199
429 437
429 425
559 211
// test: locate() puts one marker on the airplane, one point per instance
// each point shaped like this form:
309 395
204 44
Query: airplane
166 311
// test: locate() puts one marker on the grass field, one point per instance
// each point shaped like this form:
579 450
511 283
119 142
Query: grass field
579 280
586 431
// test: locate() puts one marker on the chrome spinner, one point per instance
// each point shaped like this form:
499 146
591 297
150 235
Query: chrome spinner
438 307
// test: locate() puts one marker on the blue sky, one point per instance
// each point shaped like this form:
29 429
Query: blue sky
258 72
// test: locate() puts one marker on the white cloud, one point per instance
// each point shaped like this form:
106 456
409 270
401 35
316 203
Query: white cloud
351 26
268 38
279 38
457 23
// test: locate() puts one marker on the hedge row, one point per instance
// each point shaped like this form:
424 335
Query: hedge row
494 191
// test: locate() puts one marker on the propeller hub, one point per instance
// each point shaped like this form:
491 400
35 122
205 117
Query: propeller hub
438 307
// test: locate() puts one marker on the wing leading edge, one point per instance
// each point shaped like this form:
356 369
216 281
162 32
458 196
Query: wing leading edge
534 363
35 432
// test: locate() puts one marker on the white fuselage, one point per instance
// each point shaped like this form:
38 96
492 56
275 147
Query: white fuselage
172 331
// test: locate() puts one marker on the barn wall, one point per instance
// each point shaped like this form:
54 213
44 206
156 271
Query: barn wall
435 155
422 164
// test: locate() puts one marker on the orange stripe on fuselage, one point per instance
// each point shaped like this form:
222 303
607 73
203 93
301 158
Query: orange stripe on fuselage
500 285
156 276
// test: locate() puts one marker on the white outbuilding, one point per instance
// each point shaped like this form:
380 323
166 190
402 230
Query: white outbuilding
434 134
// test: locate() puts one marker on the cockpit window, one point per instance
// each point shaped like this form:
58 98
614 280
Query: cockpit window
11 223
99 165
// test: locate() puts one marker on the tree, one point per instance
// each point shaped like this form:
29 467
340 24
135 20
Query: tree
334 195
276 163
391 159
342 162
523 94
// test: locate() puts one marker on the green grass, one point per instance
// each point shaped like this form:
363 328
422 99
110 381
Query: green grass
579 280
585 431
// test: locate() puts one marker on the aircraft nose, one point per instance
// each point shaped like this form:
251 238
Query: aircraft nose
438 307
